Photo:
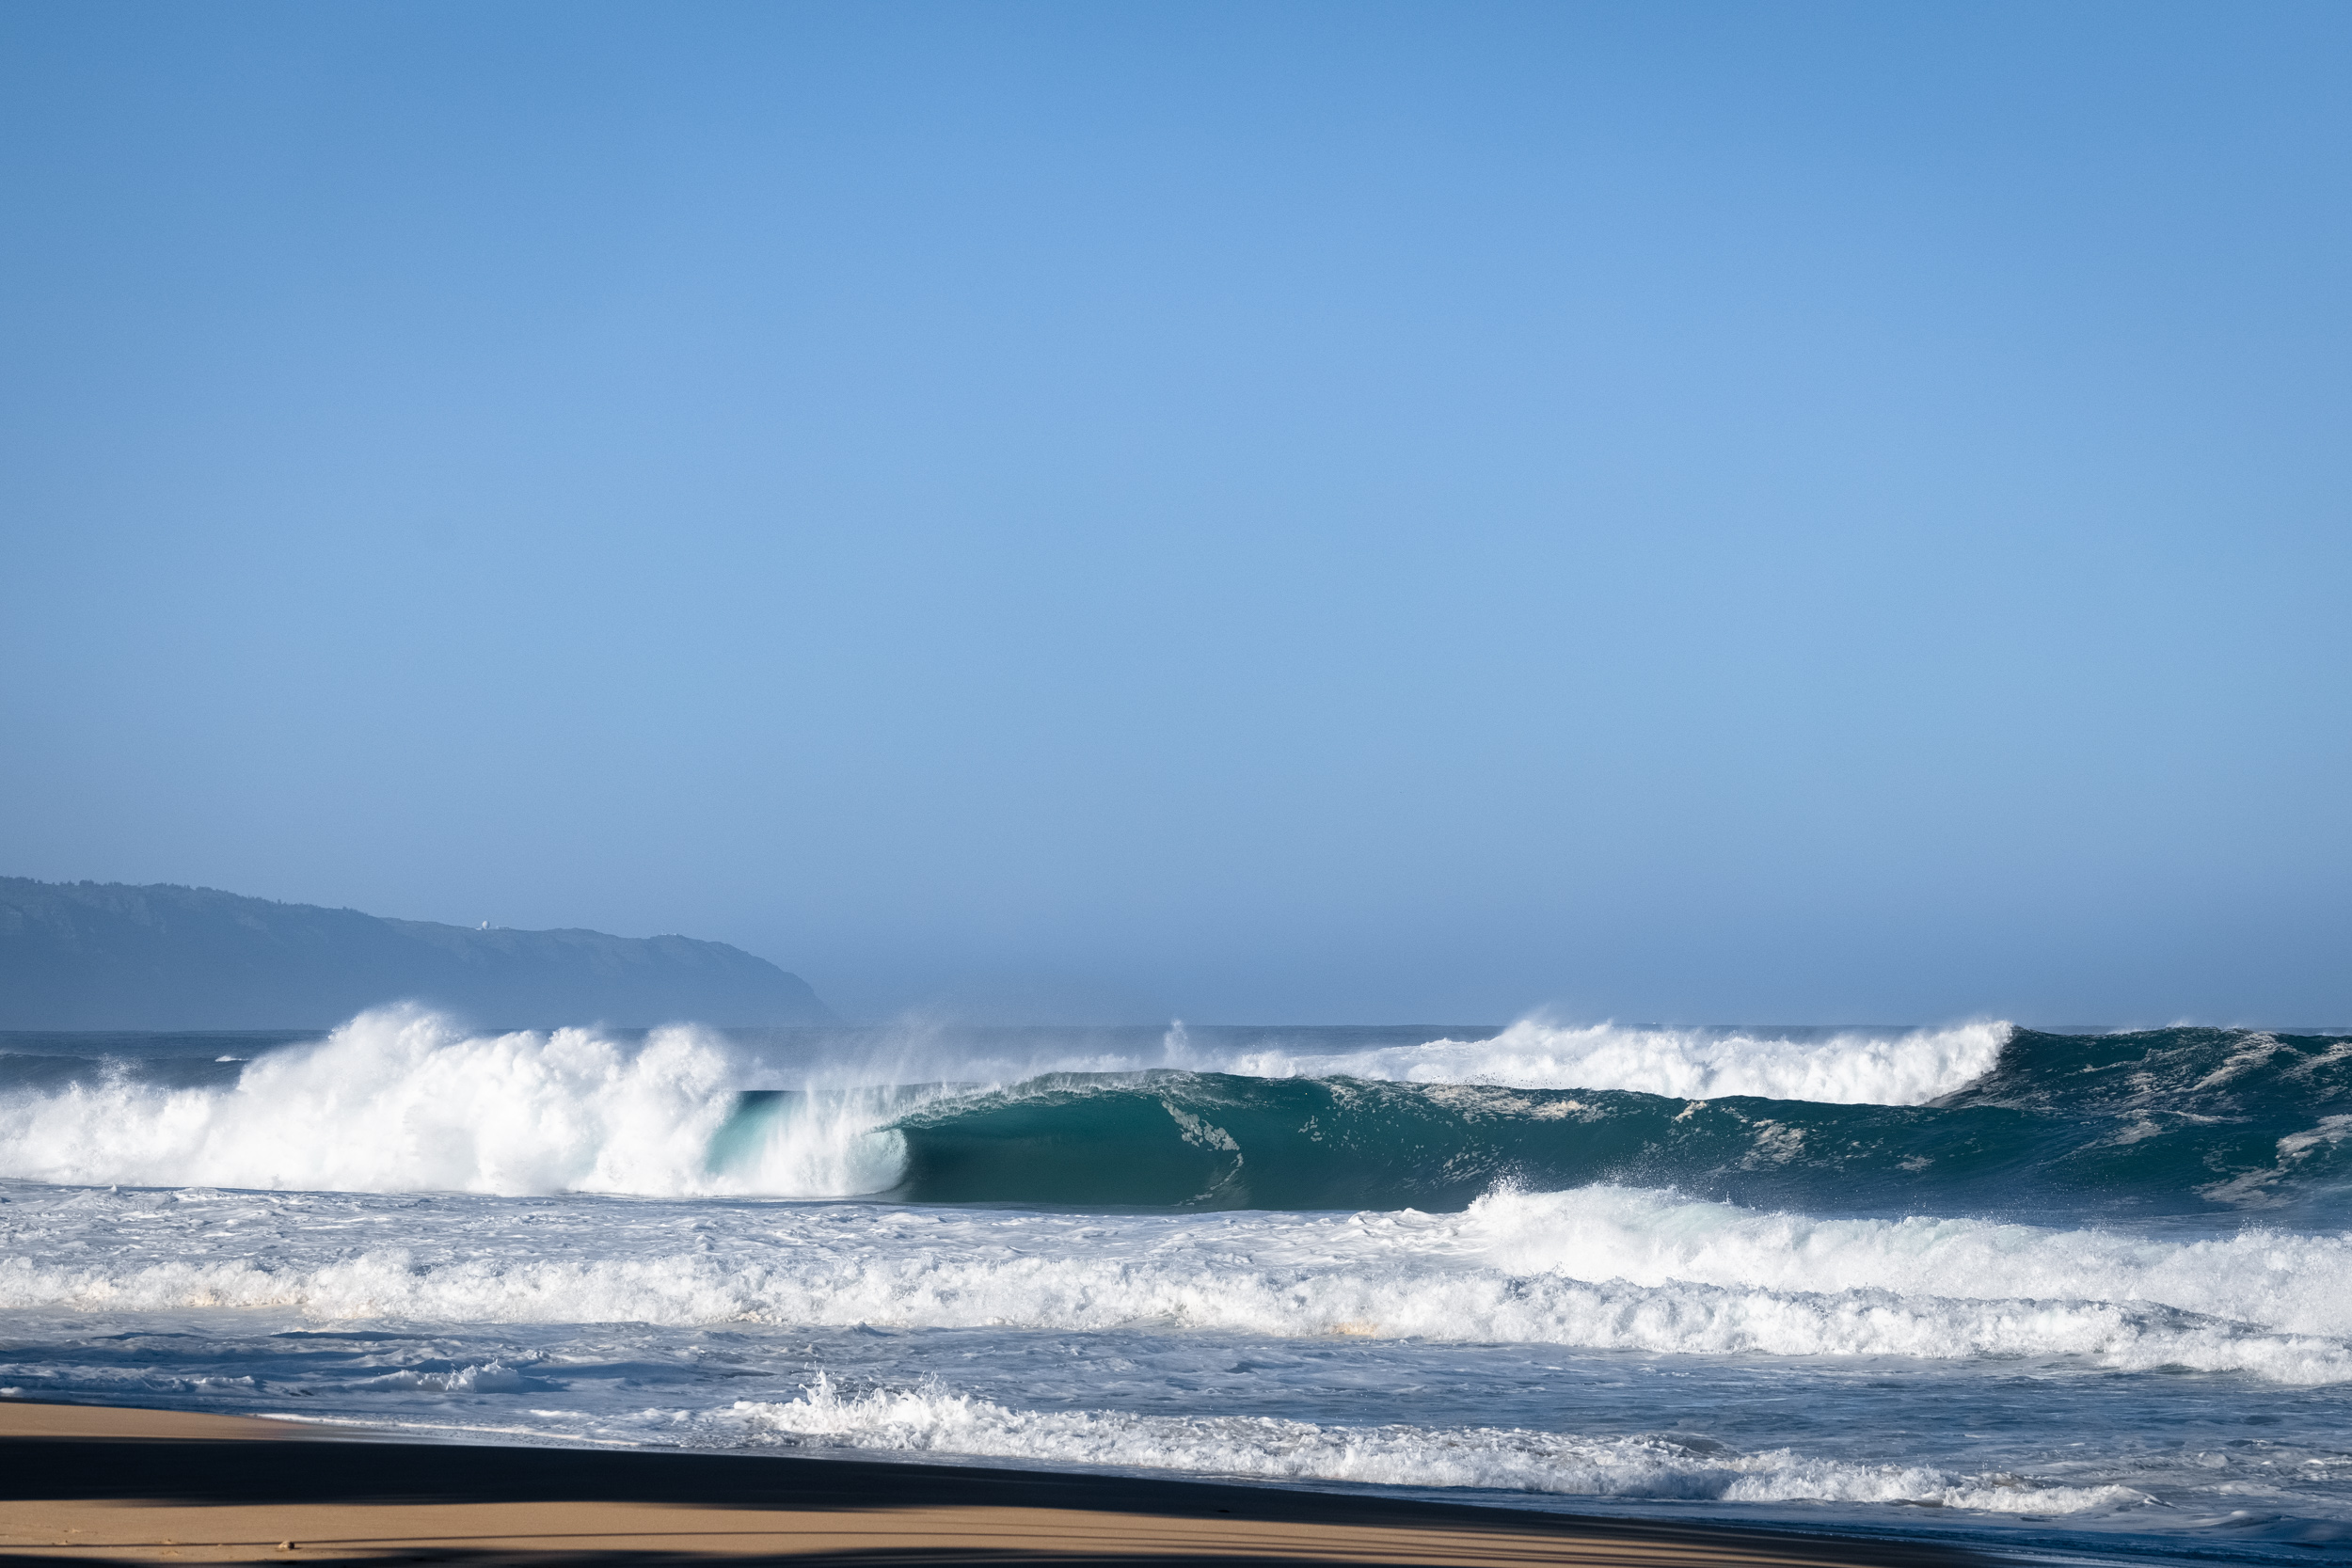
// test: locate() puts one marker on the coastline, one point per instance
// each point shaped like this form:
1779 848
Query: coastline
92 1483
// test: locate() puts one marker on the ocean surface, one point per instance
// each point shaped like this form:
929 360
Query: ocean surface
2083 1293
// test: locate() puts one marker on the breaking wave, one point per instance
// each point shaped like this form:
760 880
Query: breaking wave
2177 1122
1833 1068
403 1101
1598 1268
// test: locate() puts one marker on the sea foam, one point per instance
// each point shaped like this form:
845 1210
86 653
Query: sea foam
938 1420
404 1100
1600 1268
1844 1068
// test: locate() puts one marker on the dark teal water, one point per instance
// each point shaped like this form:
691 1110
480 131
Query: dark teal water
2173 1123
2091 1296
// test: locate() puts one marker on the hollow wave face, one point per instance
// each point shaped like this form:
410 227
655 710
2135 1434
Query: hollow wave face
404 1100
1211 1140
936 1420
2173 1123
1387 1260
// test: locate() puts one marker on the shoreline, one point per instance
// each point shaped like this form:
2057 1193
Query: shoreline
110 1483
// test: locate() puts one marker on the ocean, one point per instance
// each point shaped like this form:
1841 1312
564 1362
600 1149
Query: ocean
2076 1293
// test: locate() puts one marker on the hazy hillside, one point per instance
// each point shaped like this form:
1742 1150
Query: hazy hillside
108 956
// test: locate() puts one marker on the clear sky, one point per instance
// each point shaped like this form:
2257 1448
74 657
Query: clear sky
1266 513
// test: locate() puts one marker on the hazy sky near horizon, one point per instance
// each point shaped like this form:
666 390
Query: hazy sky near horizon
1266 512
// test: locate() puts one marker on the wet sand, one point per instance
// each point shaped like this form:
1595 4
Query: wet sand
81 1483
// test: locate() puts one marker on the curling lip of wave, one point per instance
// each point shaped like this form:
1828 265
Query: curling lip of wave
402 1100
1597 1268
935 1420
1850 1068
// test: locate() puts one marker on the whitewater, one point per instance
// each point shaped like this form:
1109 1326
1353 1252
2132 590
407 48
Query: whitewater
405 1101
2088 1290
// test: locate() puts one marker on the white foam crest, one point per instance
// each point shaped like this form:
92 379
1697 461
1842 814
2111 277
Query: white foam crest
402 1100
1603 1268
1851 1067
935 1420
486 1377
2298 1284
1902 1067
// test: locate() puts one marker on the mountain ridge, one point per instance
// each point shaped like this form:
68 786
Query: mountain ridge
164 955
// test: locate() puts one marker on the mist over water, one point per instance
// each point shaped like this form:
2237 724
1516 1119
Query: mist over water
1439 1259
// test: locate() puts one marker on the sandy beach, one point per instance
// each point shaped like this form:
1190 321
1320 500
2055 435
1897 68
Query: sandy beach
83 1484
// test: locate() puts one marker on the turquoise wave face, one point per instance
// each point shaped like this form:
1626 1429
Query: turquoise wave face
2169 1122
2175 1123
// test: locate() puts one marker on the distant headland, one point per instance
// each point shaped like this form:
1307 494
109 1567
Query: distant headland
110 956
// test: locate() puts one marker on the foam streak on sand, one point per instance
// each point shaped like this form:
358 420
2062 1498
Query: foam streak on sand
1805 1276
146 1486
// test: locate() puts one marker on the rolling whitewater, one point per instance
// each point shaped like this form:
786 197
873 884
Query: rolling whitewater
2079 1292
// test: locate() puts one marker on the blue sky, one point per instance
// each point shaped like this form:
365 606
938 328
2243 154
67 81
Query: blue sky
1262 512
